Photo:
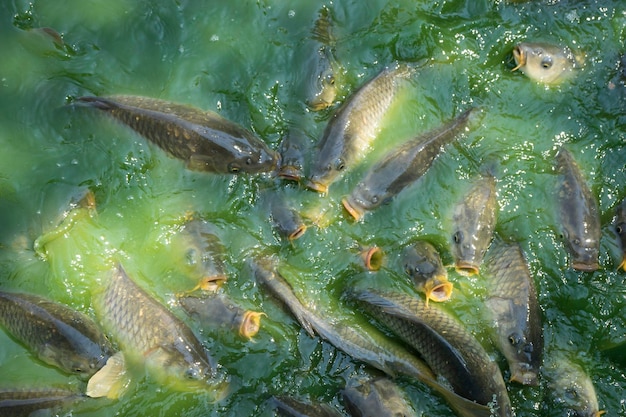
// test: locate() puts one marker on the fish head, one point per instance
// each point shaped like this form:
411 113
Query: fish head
421 262
250 324
362 199
545 63
520 353
84 358
438 288
373 258
584 252
327 167
322 86
180 366
466 252
291 151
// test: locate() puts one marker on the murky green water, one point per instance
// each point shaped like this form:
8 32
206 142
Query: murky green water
246 60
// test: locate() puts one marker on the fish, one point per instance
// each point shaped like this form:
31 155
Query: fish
148 332
218 312
569 387
474 220
421 261
401 167
322 66
546 63
512 303
205 140
285 219
56 334
377 397
620 228
291 407
291 149
202 253
444 344
352 128
23 402
579 214
111 381
361 342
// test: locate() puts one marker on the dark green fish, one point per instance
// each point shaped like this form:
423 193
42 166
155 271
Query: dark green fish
545 63
148 331
36 401
204 140
322 67
474 220
218 312
286 219
579 214
571 390
377 397
401 167
421 261
512 301
363 343
620 228
203 253
290 407
450 350
353 126
291 150
58 335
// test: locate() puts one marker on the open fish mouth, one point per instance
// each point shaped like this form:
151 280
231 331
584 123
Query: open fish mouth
466 268
372 258
586 266
290 172
296 234
351 209
317 186
211 283
524 376
250 324
439 289
520 58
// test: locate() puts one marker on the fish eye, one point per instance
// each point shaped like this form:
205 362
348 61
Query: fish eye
339 164
191 374
374 199
233 168
546 62
248 161
619 229
458 237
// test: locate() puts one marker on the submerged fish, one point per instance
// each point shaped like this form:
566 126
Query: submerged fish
290 407
291 151
377 397
286 219
58 335
401 167
353 126
204 140
474 220
545 63
363 343
36 401
322 66
450 350
512 301
216 311
146 330
203 253
620 228
423 264
579 214
570 388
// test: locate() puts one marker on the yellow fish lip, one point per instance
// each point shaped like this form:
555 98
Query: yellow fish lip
290 173
250 324
439 289
316 186
351 209
622 264
466 268
524 377
211 283
372 258
519 56
296 234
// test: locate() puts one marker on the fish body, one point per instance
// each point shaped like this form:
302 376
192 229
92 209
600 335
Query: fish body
204 140
58 335
353 126
291 150
217 312
620 228
379 397
322 67
421 261
570 388
579 214
290 407
512 302
146 329
401 167
450 350
362 343
203 253
545 63
474 220
36 401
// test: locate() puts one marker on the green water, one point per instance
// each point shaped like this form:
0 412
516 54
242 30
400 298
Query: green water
247 60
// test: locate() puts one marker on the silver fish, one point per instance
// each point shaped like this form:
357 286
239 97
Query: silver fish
377 397
545 63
